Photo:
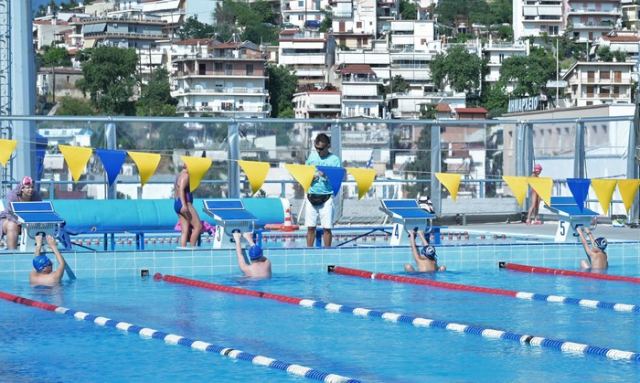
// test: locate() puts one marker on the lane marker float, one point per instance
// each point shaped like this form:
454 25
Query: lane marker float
570 273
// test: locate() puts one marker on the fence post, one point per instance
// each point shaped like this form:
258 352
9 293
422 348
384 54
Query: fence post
233 153
110 130
436 158
579 156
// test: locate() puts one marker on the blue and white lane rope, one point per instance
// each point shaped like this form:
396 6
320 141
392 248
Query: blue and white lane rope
173 339
532 340
590 303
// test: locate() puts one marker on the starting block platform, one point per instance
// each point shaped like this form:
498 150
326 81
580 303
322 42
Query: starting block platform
570 215
36 217
405 214
229 215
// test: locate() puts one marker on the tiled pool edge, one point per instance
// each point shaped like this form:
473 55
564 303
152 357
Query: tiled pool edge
295 260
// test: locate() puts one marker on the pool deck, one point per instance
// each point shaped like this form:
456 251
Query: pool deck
548 229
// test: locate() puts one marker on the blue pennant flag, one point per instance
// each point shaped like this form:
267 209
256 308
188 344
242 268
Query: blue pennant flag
112 161
580 189
335 176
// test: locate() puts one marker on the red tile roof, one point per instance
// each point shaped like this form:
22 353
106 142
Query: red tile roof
476 110
193 42
443 107
622 39
357 69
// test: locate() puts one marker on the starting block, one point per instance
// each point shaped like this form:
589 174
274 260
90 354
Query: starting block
36 217
405 213
570 215
229 215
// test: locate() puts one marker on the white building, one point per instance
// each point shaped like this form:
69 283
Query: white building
537 17
495 53
410 105
623 41
360 96
303 13
229 81
594 83
631 14
591 20
317 104
354 23
307 53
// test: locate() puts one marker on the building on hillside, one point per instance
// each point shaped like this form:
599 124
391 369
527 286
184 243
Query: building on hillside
354 23
416 103
590 20
58 82
630 14
317 104
495 53
51 31
360 96
594 83
623 41
387 11
377 57
307 53
229 81
537 18
303 13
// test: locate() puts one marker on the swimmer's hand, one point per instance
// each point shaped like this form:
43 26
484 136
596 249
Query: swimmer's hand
52 242
237 236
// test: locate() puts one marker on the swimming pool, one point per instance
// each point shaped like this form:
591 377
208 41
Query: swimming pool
368 349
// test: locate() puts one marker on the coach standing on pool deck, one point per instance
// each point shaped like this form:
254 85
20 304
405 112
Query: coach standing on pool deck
320 194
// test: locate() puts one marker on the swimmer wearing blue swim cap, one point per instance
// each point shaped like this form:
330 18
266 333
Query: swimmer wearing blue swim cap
260 266
596 255
426 258
43 273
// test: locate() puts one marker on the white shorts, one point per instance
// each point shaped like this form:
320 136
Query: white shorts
325 211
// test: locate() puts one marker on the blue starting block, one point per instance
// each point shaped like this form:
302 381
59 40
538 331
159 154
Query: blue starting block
36 217
405 214
229 215
570 215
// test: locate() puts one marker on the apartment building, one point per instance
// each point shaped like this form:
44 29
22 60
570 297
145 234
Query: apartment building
360 96
595 83
537 18
623 41
228 80
317 104
308 53
412 104
387 11
496 52
591 19
303 13
354 23
630 14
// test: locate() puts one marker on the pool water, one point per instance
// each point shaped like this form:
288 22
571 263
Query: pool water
44 346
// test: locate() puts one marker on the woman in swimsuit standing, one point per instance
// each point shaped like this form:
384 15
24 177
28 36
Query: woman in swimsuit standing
190 223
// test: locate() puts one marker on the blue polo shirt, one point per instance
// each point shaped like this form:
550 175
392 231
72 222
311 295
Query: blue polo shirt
321 185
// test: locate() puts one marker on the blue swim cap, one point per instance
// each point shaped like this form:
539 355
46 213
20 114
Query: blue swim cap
40 262
601 243
255 252
428 252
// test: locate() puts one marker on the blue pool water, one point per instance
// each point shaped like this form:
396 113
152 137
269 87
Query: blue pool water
368 349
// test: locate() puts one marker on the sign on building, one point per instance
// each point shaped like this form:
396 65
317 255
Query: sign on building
525 104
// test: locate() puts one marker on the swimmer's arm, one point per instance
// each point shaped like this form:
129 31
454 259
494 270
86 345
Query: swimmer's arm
61 262
590 234
242 263
582 239
422 238
414 249
38 248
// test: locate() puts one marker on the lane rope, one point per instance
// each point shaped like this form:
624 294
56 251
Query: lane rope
524 339
173 339
570 273
524 295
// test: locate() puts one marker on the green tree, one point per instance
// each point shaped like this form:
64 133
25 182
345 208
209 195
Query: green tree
194 29
282 84
476 11
459 68
397 85
496 99
109 78
421 166
250 21
408 10
74 107
505 32
155 99
530 73
607 55
327 21
55 57
66 6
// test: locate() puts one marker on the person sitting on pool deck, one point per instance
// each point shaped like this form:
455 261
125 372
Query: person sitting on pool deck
260 266
426 257
595 253
43 275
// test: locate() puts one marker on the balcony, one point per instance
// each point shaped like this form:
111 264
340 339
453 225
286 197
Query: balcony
223 90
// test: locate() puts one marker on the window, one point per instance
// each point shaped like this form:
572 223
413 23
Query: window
591 76
617 76
249 69
218 67
68 79
605 75
300 4
500 58
359 24
300 17
228 69
367 111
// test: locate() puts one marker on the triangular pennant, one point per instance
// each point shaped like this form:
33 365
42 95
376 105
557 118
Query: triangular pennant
302 173
364 179
628 189
518 186
335 176
197 168
256 173
542 186
579 189
147 164
112 161
604 191
451 182
6 150
76 158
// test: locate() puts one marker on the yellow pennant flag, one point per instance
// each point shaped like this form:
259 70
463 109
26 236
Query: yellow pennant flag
302 173
451 182
604 191
76 158
197 167
6 150
628 189
364 179
256 173
147 164
542 186
518 186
